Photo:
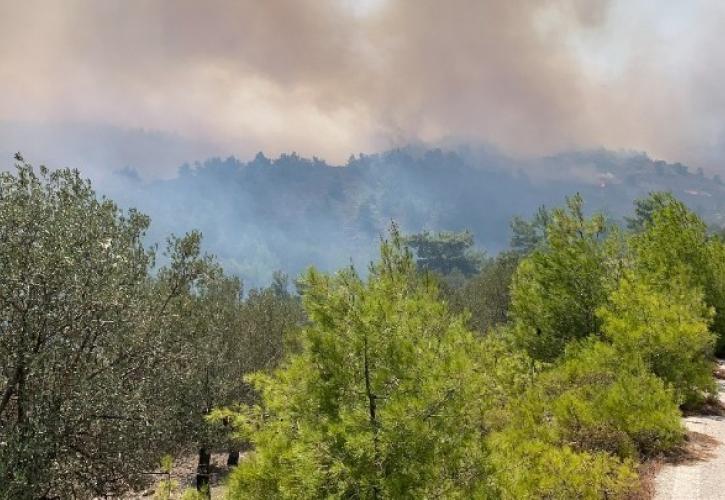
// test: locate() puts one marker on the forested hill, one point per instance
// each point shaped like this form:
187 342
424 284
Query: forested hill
291 212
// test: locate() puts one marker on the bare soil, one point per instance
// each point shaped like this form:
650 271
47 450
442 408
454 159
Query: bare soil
183 476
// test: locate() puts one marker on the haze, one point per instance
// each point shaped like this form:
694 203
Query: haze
103 85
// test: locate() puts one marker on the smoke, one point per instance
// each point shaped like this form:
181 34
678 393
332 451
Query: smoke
334 77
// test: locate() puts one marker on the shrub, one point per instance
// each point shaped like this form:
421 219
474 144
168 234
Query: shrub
598 391
579 429
668 330
533 469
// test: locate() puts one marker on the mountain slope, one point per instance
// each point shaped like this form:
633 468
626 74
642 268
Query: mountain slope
292 212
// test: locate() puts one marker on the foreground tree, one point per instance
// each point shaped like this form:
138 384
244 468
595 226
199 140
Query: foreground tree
668 330
645 208
218 336
557 289
528 235
673 249
79 329
386 399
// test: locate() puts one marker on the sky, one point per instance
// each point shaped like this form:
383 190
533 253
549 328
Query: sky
152 84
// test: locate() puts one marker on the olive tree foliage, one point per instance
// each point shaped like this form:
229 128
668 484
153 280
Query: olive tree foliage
80 326
202 327
270 318
215 338
389 397
558 287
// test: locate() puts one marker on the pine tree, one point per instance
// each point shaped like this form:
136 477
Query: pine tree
387 398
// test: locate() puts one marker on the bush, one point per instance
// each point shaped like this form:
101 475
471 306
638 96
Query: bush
604 400
668 330
533 469
579 429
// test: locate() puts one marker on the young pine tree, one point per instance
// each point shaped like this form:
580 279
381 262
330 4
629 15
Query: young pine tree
668 330
674 247
384 400
558 287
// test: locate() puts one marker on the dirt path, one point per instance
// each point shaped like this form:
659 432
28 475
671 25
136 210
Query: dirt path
700 474
183 476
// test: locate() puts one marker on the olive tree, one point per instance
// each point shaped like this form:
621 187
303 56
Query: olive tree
80 320
217 337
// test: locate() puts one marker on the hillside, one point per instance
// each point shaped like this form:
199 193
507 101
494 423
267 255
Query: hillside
290 212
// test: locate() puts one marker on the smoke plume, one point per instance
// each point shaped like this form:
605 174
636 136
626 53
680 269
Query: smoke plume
335 77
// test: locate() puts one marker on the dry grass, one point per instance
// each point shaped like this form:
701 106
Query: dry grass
696 447
647 473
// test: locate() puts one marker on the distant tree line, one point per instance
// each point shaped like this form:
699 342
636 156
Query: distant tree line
288 212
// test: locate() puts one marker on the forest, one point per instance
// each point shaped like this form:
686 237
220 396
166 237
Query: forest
554 368
266 214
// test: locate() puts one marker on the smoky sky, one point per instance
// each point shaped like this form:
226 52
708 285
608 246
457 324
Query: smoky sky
335 77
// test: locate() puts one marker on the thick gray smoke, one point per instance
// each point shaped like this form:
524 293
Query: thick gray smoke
334 77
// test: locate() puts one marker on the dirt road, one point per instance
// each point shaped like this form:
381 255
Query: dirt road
701 474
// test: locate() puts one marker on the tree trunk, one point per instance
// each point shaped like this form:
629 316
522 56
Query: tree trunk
372 409
233 458
10 387
203 470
